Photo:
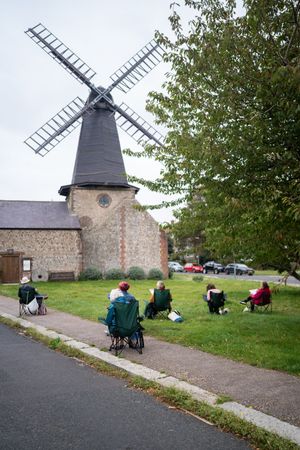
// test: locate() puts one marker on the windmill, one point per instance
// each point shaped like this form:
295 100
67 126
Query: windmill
99 159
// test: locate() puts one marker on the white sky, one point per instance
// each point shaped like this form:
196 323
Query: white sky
33 87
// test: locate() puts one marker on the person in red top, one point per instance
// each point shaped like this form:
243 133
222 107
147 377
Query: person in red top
262 295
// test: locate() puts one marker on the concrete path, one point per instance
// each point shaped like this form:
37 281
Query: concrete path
274 393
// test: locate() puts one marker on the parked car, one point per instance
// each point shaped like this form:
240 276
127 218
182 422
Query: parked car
174 266
239 269
212 266
193 268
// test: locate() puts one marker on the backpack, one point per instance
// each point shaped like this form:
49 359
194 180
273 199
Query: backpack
42 311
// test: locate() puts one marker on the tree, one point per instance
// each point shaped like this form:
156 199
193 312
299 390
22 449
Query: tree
231 105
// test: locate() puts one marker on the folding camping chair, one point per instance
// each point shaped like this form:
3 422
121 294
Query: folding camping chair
125 328
26 298
216 303
263 304
161 306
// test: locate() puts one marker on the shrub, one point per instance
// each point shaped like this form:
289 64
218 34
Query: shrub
136 273
114 274
91 273
198 278
171 273
155 274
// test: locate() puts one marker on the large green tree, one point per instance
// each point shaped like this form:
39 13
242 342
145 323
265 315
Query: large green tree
231 105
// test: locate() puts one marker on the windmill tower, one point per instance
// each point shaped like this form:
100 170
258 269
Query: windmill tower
114 233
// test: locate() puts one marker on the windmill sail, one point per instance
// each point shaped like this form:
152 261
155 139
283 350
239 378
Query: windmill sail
134 125
61 53
57 128
137 67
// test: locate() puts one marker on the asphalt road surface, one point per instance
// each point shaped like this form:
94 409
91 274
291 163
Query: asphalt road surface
50 401
269 278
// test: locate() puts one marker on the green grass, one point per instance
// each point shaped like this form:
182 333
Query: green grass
264 340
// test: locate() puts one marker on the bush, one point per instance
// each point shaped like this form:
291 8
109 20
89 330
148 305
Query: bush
114 274
91 273
136 273
198 278
171 273
155 274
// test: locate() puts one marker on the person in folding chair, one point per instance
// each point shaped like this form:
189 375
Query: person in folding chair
215 300
259 297
26 295
123 322
160 301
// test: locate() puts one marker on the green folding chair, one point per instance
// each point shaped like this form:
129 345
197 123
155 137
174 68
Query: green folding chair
161 306
126 329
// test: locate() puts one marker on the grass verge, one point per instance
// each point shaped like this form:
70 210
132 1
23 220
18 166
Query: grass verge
175 398
267 340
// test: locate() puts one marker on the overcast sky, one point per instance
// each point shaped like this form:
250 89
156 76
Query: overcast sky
105 34
33 87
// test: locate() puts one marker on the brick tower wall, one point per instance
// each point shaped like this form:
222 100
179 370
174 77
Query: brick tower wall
118 235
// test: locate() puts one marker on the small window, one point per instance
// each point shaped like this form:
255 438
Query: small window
26 265
104 200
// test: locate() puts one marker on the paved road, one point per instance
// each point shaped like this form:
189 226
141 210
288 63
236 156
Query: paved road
49 401
269 278
216 374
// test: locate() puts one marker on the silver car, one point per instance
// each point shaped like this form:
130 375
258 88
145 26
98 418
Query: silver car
174 266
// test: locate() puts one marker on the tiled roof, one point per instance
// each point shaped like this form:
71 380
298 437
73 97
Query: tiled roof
18 214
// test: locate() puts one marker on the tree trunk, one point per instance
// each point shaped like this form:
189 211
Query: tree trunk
295 275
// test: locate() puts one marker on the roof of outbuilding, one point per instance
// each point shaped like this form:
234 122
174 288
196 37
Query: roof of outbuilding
18 214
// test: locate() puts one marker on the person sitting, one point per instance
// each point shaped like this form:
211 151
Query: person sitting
27 293
160 300
215 300
260 296
118 292
124 297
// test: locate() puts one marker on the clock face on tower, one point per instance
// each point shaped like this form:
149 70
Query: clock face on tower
104 200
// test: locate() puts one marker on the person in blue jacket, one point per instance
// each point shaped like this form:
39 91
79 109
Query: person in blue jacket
125 297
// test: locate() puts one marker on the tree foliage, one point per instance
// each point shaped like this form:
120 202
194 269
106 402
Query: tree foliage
231 104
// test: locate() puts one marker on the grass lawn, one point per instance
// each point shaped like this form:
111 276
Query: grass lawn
264 340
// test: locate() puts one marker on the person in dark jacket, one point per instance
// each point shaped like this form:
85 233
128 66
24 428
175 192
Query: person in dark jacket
215 300
26 292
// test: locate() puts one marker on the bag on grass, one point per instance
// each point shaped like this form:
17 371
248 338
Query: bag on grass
175 316
42 311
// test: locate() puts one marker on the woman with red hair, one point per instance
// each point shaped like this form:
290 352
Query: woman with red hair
121 291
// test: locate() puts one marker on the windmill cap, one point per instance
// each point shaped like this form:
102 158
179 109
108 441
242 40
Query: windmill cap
102 101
